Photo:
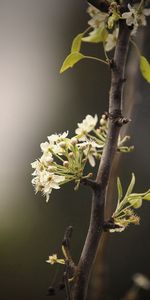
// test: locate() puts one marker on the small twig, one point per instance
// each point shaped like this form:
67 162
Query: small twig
66 248
91 183
66 281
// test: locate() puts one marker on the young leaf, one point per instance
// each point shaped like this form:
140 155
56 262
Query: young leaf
119 188
147 197
131 186
145 68
135 200
96 36
71 60
76 44
137 203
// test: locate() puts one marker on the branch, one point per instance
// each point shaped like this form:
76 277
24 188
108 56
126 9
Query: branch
66 249
82 275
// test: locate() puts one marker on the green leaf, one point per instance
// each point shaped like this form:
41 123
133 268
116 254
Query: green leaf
131 186
135 200
147 197
145 68
71 60
76 44
97 35
119 188
137 203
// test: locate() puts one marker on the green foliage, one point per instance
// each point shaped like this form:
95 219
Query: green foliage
96 36
119 188
124 214
131 186
145 68
71 60
76 44
147 197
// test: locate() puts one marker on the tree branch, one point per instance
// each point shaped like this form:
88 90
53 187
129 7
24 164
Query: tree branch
83 271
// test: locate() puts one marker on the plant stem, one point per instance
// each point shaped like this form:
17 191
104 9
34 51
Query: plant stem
96 58
82 275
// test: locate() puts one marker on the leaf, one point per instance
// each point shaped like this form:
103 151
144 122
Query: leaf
76 44
135 200
137 203
71 60
119 188
131 186
145 68
96 36
147 197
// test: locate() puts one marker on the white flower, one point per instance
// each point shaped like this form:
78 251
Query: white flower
92 10
90 151
146 12
53 259
135 17
45 147
38 166
141 281
46 181
98 17
46 158
54 144
111 40
97 20
57 137
86 126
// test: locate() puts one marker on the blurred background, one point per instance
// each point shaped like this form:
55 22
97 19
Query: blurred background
36 101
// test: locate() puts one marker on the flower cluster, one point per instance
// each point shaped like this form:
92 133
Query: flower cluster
136 17
105 24
124 213
64 159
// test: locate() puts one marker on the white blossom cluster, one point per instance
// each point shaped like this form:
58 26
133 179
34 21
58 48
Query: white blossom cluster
64 159
107 23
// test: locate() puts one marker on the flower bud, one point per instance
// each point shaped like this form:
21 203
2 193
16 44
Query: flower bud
104 117
84 160
71 155
65 163
74 141
102 122
52 169
62 145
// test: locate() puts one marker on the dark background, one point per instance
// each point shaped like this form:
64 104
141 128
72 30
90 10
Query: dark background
36 101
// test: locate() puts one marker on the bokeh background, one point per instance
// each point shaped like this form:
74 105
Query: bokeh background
36 101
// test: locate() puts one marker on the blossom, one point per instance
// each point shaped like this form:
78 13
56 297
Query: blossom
111 40
54 145
53 259
90 151
141 281
45 181
57 137
135 17
63 159
98 17
92 10
87 125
